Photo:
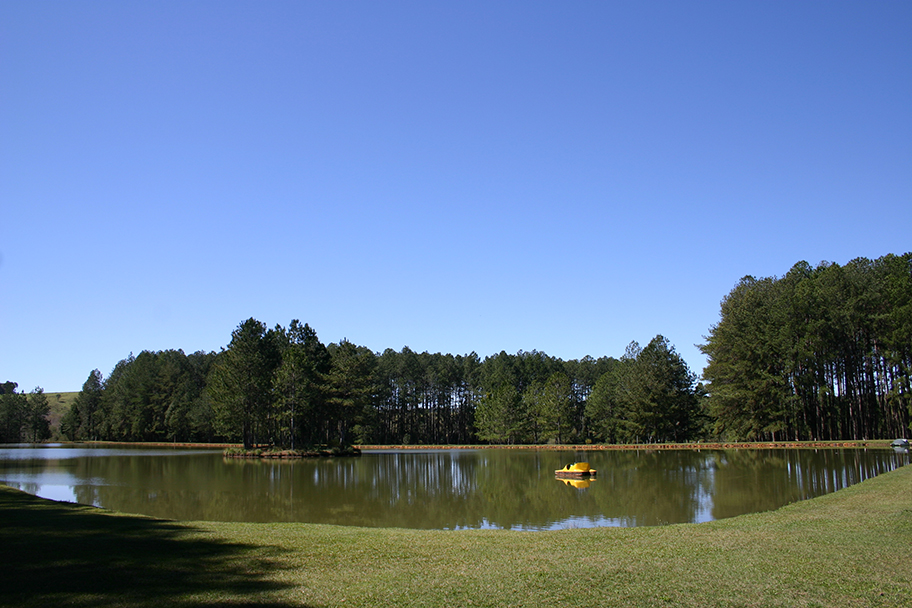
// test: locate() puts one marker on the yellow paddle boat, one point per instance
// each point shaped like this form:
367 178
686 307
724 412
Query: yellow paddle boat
577 470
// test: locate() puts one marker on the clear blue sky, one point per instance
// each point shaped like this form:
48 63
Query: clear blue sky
451 177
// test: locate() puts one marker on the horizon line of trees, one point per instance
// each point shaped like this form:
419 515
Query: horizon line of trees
284 387
821 353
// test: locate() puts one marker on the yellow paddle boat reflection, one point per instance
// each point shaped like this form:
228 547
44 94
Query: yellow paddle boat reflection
578 470
580 484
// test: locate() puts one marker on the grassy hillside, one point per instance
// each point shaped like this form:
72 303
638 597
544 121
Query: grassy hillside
60 404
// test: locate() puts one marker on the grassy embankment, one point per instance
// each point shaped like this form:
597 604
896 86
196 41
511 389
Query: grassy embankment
60 404
850 548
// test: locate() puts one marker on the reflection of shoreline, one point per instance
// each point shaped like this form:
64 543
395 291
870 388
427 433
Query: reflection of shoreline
739 445
143 444
729 445
465 489
273 454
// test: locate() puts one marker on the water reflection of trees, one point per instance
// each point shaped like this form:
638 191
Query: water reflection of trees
749 481
512 489
652 487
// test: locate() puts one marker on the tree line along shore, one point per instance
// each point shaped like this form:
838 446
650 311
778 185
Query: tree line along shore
820 354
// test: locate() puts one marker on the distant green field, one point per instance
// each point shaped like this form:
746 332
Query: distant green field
60 405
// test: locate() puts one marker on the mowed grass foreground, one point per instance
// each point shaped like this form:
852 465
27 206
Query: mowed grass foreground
849 548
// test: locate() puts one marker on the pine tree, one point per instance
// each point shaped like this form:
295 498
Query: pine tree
38 427
240 384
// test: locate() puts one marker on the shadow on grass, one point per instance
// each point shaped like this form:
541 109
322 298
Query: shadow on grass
57 554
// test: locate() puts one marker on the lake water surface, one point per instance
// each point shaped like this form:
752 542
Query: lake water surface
441 489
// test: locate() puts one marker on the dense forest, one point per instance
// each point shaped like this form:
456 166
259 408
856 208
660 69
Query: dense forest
23 417
821 353
284 387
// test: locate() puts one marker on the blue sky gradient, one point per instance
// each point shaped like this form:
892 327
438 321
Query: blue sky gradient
451 177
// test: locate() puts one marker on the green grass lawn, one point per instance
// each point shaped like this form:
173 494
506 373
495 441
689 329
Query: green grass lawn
850 548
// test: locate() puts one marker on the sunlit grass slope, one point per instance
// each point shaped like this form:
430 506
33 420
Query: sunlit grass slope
60 404
850 548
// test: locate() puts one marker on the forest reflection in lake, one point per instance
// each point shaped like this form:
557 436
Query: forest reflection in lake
441 489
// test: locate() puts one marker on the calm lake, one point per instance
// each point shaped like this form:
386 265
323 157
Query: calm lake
441 489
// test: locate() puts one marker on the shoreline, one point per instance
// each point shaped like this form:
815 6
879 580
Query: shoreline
286 454
714 445
732 445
